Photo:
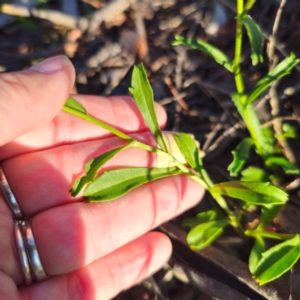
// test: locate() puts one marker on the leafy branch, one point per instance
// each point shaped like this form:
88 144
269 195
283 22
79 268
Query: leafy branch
253 190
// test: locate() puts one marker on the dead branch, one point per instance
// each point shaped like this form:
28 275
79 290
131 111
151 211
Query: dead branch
53 16
108 13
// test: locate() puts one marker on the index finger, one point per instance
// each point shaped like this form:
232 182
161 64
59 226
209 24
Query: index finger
118 111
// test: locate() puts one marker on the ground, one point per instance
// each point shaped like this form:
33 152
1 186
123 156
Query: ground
195 92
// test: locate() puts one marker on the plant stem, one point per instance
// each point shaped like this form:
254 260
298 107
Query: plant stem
246 111
205 181
136 143
270 235
237 54
97 122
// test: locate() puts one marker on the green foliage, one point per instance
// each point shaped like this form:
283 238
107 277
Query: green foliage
240 155
116 183
219 56
273 162
254 174
203 217
255 37
143 96
204 234
253 124
289 130
249 5
282 69
268 213
256 253
259 193
253 189
73 104
189 150
92 168
277 260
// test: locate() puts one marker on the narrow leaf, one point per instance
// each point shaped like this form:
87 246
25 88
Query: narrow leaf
255 37
268 213
203 217
289 130
252 121
116 183
92 167
259 193
240 155
71 103
277 260
249 5
189 150
282 69
143 95
203 235
256 253
219 56
274 162
254 174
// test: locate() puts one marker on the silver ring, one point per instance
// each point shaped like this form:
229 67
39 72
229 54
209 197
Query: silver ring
33 255
22 253
9 196
29 256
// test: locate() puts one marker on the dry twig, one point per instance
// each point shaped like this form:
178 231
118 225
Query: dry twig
272 38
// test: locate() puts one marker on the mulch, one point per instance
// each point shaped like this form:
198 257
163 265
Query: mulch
104 39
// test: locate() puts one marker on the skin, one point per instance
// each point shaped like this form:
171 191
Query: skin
90 251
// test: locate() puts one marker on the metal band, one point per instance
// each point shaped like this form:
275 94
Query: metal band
22 253
29 256
9 196
33 255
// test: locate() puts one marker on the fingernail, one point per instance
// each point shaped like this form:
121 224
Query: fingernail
51 65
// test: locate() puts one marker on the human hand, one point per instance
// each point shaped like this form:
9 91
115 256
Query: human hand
89 250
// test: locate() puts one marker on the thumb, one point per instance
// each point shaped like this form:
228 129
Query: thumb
29 99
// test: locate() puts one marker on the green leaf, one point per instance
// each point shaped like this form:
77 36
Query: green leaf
259 193
289 130
254 174
249 5
253 124
276 161
71 103
116 183
268 214
255 37
256 253
240 155
143 96
270 141
203 235
203 217
219 56
277 260
189 150
282 69
92 167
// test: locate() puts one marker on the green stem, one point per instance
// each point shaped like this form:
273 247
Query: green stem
237 54
141 145
247 112
270 235
205 181
97 122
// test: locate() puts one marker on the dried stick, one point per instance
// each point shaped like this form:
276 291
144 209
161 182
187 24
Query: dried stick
274 100
53 16
286 118
108 13
272 38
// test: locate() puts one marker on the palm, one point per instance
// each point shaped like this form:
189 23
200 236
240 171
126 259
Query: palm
94 250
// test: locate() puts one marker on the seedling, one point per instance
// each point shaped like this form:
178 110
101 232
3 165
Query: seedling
264 264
